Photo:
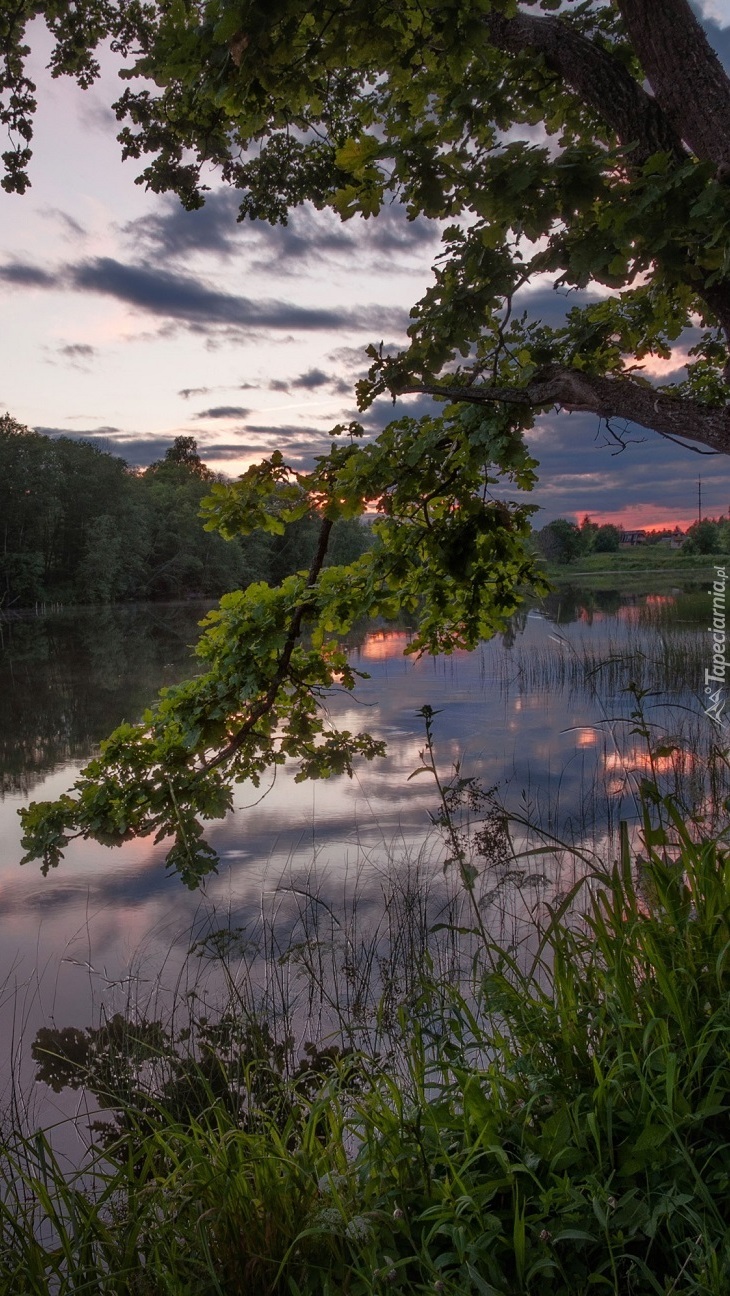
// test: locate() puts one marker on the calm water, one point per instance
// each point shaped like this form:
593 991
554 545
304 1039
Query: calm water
543 713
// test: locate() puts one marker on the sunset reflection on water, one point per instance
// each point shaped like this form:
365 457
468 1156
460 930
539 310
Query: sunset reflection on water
548 737
384 645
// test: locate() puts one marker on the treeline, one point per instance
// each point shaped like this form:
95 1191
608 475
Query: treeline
77 525
563 541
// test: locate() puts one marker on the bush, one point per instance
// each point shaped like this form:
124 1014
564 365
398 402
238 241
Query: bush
607 539
561 541
703 538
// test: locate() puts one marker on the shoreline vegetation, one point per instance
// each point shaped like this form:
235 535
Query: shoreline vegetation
627 567
655 569
546 1115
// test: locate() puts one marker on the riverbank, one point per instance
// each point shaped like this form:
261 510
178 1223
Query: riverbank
646 566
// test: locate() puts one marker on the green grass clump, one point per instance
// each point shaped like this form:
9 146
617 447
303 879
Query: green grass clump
591 1152
644 558
559 1128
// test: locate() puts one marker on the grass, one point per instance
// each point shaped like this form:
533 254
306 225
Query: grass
641 560
543 1112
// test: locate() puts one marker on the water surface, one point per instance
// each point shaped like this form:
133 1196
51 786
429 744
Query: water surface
543 712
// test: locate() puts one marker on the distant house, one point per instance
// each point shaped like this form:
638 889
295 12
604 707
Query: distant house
673 541
632 538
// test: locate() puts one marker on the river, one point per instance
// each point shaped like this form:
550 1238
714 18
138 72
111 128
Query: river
543 713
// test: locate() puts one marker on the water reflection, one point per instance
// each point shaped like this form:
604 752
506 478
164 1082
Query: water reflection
542 711
66 680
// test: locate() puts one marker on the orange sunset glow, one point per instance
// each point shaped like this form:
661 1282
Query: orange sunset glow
639 759
641 517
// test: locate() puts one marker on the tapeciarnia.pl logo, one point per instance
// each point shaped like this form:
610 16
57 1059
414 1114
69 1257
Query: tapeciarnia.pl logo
715 677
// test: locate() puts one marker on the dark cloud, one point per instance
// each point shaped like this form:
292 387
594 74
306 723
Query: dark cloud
550 305
310 235
238 451
140 451
580 470
78 351
312 379
287 430
194 303
187 392
383 411
93 112
353 360
214 228
27 276
137 449
300 447
393 232
171 231
80 436
583 470
388 242
223 412
72 226
183 297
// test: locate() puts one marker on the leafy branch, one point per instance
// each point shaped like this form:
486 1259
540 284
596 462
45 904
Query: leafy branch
446 552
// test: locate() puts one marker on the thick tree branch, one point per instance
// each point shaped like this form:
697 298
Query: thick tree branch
601 81
684 72
607 397
692 91
717 297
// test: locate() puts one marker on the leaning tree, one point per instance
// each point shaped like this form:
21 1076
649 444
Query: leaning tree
582 144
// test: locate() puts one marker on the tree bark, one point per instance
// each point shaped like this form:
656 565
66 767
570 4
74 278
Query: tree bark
600 80
691 91
684 72
622 398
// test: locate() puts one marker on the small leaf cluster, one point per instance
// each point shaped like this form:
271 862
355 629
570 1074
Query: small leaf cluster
77 30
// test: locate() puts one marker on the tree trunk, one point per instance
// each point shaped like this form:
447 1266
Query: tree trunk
599 79
684 72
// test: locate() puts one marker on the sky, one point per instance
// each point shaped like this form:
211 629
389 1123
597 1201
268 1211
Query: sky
128 321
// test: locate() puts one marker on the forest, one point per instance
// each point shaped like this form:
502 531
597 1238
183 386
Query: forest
78 525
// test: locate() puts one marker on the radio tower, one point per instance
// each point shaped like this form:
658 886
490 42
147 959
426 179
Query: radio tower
699 499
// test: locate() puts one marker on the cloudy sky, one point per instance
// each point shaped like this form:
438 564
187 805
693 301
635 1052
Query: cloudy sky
130 322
